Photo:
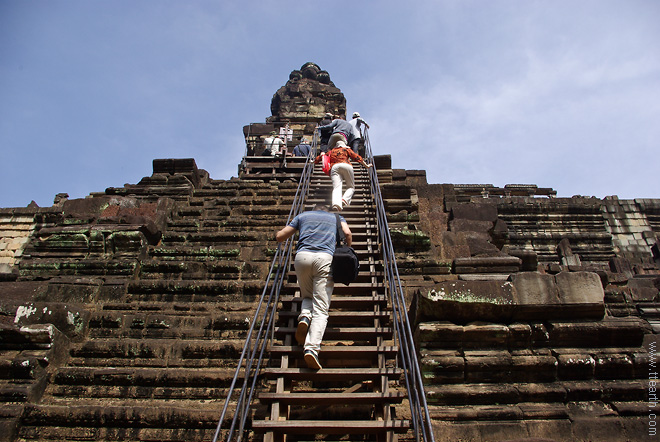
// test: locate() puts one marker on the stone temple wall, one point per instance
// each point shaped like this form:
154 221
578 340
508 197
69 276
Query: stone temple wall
122 314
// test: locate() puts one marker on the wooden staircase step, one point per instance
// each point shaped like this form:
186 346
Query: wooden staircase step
332 427
332 374
344 317
364 264
353 285
343 301
338 351
340 398
352 333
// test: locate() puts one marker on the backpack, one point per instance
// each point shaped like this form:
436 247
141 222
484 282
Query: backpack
345 263
326 163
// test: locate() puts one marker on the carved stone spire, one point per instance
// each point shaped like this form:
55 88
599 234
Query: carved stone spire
308 95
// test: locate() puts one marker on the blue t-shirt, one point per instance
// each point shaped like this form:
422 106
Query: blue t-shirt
318 231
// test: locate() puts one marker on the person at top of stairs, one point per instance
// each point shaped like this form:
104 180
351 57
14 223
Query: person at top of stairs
342 132
357 122
316 245
341 171
273 144
324 137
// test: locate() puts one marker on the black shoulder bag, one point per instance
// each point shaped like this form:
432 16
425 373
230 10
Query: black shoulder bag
345 263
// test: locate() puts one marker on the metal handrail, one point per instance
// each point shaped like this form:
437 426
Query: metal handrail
257 341
421 420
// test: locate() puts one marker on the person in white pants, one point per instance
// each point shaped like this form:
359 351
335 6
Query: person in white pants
316 245
341 171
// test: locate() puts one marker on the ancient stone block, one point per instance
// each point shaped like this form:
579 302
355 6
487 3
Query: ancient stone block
614 366
520 335
407 240
442 366
533 368
481 335
535 293
466 301
477 212
468 225
576 366
583 292
487 264
69 318
453 246
488 366
480 245
439 334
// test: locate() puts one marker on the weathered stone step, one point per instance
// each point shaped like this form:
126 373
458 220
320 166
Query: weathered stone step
34 337
113 422
270 210
214 238
203 290
144 377
100 266
609 332
22 365
123 362
10 416
257 223
215 309
553 392
168 352
170 325
240 295
21 390
612 332
223 269
177 193
527 411
126 394
483 366
228 193
188 252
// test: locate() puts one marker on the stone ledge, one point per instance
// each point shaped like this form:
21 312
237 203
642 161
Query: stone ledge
528 296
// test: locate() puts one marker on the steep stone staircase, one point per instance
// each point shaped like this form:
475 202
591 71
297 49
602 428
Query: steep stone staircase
356 392
163 338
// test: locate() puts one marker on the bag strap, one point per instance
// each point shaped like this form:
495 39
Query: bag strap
341 237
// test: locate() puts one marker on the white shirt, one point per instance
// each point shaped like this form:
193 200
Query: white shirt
274 144
357 124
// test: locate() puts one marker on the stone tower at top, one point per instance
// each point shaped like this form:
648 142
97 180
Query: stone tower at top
297 107
308 95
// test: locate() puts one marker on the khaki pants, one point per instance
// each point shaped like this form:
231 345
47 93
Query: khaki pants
316 285
340 173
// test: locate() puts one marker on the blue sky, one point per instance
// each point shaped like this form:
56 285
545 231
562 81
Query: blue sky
562 94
